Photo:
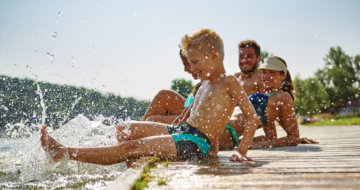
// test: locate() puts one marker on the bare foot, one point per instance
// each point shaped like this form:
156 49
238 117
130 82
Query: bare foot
51 146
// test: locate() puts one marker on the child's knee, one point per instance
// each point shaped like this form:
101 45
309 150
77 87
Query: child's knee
120 127
167 94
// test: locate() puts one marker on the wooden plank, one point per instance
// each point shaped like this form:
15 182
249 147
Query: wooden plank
332 164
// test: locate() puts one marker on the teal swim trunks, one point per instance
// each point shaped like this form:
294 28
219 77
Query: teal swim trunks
191 144
233 135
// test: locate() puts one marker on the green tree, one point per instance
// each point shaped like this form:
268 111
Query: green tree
182 86
311 96
264 55
340 77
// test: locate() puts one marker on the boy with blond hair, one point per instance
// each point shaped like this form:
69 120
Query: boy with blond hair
192 139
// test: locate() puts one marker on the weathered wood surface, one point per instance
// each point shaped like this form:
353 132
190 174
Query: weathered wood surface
332 164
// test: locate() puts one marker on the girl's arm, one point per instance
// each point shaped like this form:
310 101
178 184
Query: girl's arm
287 121
270 133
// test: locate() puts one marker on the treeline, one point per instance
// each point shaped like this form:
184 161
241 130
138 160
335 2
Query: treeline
29 102
334 87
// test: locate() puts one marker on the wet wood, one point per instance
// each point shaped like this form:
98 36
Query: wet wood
332 164
127 179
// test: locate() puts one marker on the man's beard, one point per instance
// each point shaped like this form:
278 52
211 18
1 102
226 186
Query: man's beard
250 70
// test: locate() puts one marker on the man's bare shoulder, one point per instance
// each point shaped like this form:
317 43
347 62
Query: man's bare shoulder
257 74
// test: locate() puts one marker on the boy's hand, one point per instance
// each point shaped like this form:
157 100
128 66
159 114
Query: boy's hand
240 158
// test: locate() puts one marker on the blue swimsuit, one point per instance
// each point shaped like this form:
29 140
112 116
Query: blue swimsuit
259 101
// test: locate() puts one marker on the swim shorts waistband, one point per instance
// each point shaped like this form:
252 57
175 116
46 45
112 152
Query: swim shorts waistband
185 132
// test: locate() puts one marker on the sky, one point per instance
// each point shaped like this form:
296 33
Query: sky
131 48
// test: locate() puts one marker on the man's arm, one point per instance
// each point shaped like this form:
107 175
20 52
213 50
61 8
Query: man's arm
259 82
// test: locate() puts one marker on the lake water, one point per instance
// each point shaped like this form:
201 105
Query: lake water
24 164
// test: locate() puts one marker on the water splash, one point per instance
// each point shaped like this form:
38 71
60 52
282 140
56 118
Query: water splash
42 103
19 130
66 117
24 162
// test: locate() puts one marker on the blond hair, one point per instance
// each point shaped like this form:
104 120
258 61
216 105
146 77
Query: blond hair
206 40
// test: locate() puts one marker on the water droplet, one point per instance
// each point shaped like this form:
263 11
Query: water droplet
75 153
51 56
54 35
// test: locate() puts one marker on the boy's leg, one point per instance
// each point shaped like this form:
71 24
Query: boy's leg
160 146
136 130
165 103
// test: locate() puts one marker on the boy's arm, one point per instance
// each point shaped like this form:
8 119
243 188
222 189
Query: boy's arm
252 121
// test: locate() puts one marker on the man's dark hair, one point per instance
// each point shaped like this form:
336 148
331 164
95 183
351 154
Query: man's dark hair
251 43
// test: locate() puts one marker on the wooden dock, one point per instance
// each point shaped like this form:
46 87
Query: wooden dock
332 164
